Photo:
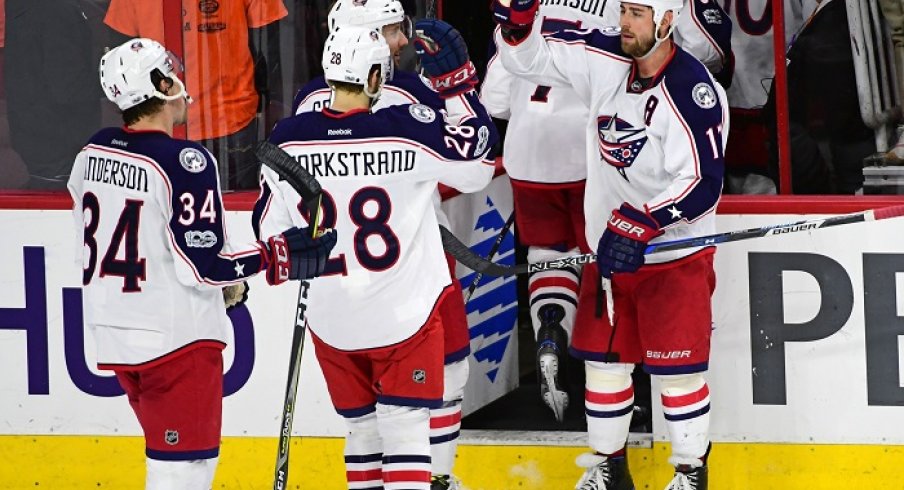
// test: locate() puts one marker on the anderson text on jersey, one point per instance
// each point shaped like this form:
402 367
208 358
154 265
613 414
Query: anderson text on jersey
357 163
115 172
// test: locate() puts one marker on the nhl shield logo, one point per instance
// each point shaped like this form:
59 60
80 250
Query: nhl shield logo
171 437
419 376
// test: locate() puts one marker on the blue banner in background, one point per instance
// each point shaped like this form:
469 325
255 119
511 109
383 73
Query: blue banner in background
478 220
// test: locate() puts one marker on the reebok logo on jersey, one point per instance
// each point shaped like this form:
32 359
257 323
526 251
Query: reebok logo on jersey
338 132
200 239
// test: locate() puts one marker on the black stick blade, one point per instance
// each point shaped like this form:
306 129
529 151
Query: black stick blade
472 261
289 170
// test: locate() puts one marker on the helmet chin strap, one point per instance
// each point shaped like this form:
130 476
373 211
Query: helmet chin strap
180 94
658 40
375 96
385 74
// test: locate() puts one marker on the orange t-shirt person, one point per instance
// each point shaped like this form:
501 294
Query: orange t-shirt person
219 71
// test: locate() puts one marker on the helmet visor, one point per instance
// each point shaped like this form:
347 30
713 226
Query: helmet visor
172 68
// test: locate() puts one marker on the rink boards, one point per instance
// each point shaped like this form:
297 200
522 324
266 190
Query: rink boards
805 373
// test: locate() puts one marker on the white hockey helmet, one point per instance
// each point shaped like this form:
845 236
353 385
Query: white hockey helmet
660 7
125 72
373 14
351 51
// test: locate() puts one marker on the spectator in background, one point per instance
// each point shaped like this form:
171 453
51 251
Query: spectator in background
53 102
226 59
829 139
309 21
746 157
893 10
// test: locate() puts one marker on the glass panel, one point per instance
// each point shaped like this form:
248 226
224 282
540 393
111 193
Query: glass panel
50 99
244 63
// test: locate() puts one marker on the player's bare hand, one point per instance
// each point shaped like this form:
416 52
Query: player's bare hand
235 295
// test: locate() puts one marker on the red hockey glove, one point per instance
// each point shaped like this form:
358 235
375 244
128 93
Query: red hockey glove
515 14
294 255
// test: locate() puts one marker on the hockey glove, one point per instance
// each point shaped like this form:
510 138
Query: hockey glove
726 74
294 255
515 14
443 56
621 248
235 295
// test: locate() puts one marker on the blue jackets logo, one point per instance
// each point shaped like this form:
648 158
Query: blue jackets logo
620 142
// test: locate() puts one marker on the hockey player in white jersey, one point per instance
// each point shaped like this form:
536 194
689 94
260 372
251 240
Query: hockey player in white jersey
152 243
747 154
408 87
374 318
656 135
548 180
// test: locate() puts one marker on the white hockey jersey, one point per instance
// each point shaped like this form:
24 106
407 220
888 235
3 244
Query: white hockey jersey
406 87
752 43
153 247
659 148
379 172
539 114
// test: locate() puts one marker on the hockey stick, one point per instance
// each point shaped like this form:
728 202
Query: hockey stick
309 189
298 178
493 250
477 263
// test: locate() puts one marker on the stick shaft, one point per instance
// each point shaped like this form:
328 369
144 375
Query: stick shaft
479 264
281 473
493 250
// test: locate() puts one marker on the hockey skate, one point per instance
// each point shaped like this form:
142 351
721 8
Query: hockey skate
689 478
602 473
551 345
444 482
